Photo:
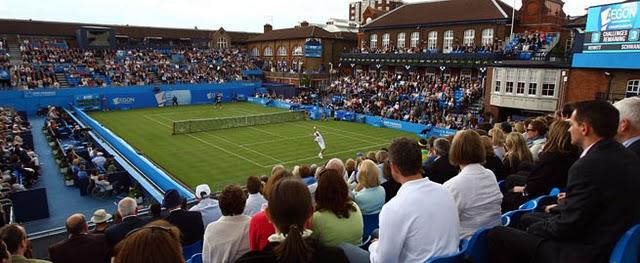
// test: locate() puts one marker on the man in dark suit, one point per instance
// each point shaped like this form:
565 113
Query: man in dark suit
440 170
128 209
189 222
80 247
629 128
599 205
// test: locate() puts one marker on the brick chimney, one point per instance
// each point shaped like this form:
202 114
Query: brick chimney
304 24
267 28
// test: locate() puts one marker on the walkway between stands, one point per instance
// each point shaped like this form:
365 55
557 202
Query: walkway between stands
63 201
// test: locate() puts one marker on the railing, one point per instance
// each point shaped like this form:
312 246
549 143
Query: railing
457 59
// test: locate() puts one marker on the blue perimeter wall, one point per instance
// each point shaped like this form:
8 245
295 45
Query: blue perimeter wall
314 113
117 98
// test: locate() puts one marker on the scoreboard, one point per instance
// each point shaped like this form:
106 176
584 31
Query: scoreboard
613 29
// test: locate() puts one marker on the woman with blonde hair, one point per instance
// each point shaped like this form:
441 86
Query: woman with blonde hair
517 152
157 242
497 142
520 128
551 170
369 195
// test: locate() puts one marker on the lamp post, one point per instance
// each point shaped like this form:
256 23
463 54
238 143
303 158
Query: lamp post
442 69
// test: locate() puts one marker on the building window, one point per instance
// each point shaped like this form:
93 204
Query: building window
222 43
497 75
401 39
432 41
255 52
282 52
447 44
633 87
533 82
549 83
469 36
373 41
415 39
297 51
268 52
533 88
511 74
385 40
487 37
522 78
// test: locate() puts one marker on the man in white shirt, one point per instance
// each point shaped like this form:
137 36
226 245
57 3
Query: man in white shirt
320 140
227 239
255 200
421 221
207 206
99 161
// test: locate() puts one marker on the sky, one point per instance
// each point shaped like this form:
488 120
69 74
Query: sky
233 15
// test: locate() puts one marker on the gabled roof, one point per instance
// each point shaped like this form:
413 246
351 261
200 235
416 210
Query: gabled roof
442 12
297 33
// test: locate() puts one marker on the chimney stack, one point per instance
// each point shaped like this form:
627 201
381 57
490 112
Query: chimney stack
267 28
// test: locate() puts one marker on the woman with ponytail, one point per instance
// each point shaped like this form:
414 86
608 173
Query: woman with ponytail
289 209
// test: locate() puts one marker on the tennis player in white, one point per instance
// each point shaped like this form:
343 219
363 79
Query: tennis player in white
320 140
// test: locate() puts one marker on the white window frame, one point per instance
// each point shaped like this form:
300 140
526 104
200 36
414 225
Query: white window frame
402 39
282 51
633 87
550 79
534 78
255 52
373 41
447 41
497 76
297 51
469 37
510 82
432 41
222 43
268 52
521 85
415 39
487 36
386 39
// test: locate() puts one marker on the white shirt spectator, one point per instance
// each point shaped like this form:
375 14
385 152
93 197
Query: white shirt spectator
419 223
99 162
536 148
254 204
477 197
226 240
209 209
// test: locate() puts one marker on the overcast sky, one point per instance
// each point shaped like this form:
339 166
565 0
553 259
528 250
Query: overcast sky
234 15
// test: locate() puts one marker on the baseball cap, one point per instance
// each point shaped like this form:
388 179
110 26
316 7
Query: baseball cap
203 190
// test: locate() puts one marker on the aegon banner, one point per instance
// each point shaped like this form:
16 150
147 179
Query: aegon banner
613 28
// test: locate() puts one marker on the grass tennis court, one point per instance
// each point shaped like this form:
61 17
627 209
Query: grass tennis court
227 156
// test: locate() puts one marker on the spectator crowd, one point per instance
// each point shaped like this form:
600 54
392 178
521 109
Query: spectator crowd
426 196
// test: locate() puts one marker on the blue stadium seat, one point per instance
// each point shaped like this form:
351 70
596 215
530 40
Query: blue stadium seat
555 191
530 205
476 250
626 250
196 258
189 251
458 257
505 219
370 223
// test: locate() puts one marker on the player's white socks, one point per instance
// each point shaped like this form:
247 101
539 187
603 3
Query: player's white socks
320 155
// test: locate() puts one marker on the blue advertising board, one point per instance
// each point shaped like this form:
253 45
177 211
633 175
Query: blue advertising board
313 48
613 29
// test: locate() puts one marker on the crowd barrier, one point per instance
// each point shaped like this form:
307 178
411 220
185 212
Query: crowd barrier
155 175
316 113
122 98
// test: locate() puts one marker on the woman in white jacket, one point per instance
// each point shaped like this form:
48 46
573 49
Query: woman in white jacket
474 189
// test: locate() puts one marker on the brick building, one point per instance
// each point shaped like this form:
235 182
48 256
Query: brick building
361 11
292 47
125 35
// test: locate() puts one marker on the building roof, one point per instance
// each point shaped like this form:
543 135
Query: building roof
301 32
68 29
579 21
442 12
